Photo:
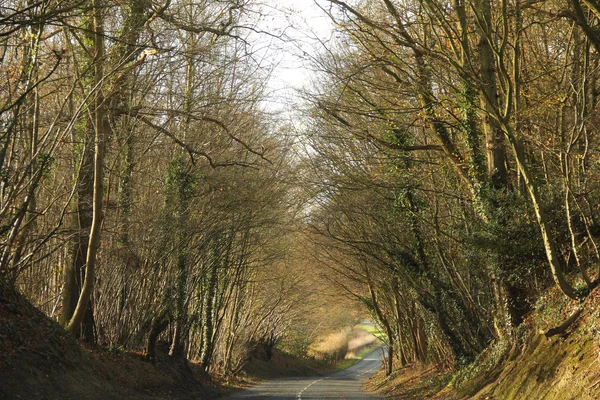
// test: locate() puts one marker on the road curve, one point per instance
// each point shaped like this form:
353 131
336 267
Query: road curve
346 384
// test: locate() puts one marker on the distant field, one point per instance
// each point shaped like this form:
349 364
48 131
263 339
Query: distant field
372 329
348 345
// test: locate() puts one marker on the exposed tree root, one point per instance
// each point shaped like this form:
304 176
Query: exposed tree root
561 329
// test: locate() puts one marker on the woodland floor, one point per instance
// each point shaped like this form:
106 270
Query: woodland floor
38 359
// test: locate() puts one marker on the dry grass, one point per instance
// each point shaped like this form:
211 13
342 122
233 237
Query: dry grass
416 382
343 344
331 348
359 341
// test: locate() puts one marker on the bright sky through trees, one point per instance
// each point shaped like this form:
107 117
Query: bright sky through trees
297 27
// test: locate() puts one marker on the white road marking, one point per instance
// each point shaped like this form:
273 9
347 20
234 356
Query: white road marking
366 372
299 395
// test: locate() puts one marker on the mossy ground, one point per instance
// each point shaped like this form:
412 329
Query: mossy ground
528 366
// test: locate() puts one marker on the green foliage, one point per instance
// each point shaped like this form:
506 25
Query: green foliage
296 343
510 241
469 126
180 185
5 174
49 162
486 365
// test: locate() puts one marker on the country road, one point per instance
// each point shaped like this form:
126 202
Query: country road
346 384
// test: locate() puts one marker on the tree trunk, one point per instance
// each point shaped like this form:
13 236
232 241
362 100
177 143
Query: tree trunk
489 101
389 365
386 325
100 131
158 325
74 273
177 346
207 317
550 247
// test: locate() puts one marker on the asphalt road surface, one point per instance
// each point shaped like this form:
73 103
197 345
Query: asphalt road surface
346 384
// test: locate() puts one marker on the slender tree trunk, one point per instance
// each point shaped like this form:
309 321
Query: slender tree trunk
100 130
552 255
74 273
207 317
389 365
177 346
183 189
489 101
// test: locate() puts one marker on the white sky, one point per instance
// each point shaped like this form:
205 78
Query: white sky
301 22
